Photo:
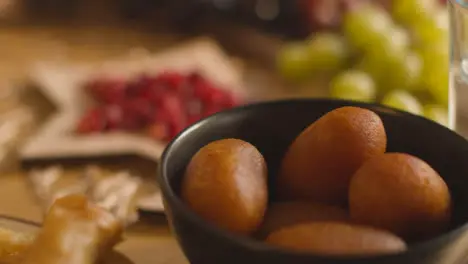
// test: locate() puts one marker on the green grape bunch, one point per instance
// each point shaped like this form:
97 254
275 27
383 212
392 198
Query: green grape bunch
395 54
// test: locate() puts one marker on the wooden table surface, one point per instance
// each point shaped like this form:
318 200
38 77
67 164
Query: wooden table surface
20 46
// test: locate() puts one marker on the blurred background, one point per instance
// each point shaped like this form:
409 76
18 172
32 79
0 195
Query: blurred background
393 52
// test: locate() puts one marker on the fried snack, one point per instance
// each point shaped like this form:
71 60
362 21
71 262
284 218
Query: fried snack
283 214
13 245
320 162
74 232
336 239
226 184
400 193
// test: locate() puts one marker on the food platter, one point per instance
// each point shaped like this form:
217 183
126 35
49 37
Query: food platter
61 84
56 142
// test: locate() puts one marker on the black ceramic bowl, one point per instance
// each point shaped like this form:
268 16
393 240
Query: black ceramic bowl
271 127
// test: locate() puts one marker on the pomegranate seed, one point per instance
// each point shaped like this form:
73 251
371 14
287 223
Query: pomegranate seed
193 107
114 116
177 127
136 113
165 103
141 108
172 106
185 90
195 77
230 100
134 90
211 109
131 124
171 79
171 111
93 121
206 92
214 96
193 119
108 90
155 93
141 85
202 91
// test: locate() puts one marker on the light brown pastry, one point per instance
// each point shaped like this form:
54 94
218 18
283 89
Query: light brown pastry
400 193
74 232
284 214
226 184
320 162
332 238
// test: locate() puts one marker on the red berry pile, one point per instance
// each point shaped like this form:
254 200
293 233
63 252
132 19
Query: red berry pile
160 105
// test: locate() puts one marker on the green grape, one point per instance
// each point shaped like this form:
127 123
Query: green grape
353 85
394 69
438 88
293 61
411 12
390 63
395 39
413 68
433 33
399 38
403 72
387 51
328 52
402 100
435 59
366 26
436 113
430 33
435 71
371 65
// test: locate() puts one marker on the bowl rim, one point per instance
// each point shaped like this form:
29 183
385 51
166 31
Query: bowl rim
260 246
